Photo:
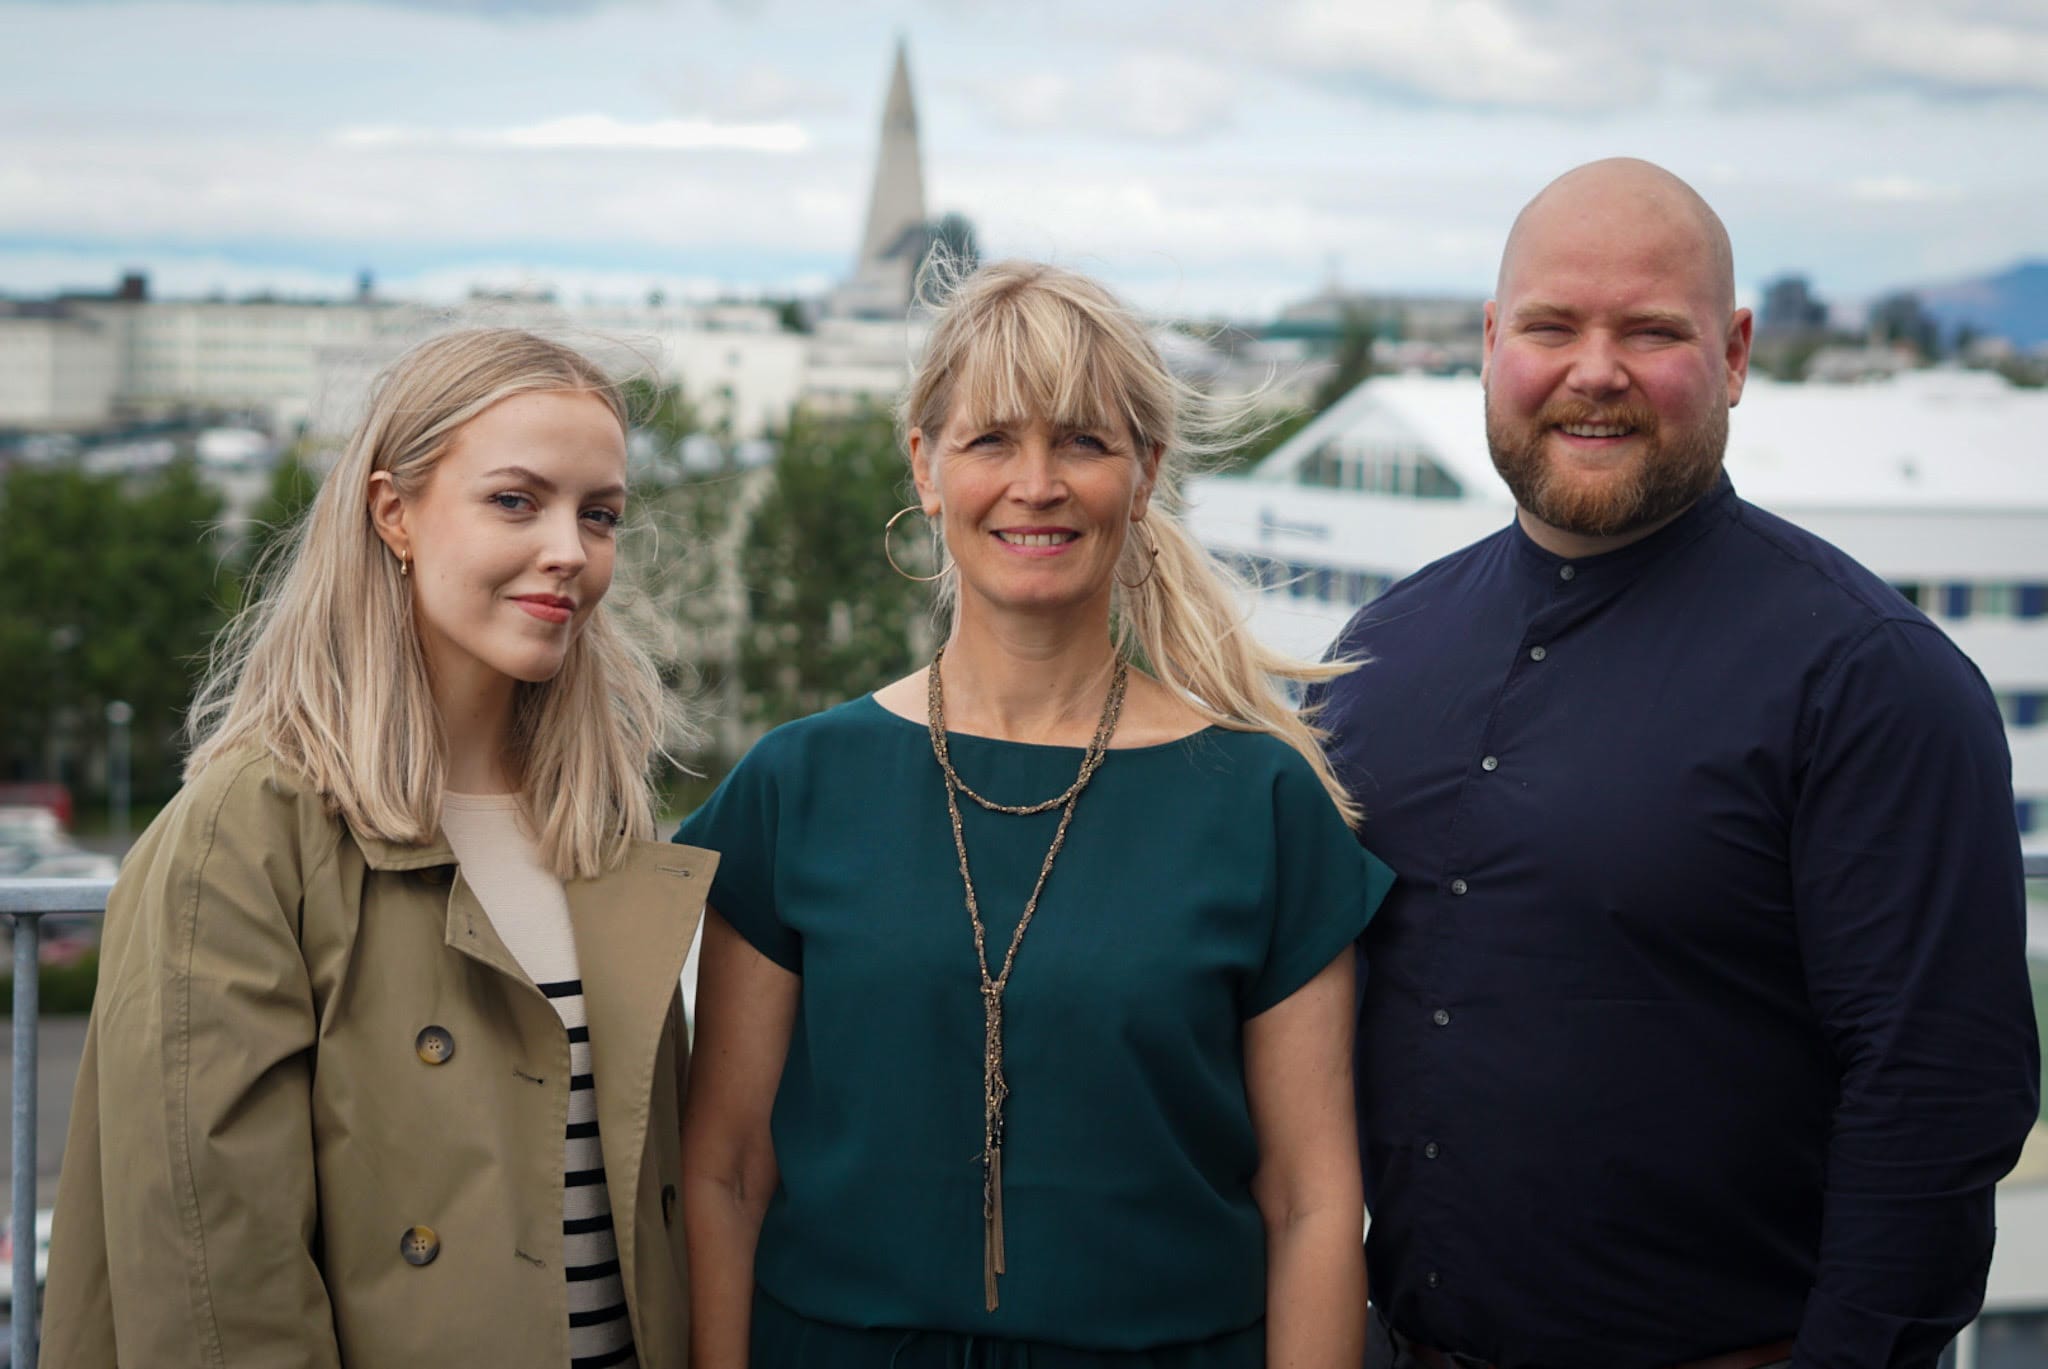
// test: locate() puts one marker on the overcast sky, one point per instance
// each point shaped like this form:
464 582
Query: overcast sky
1204 155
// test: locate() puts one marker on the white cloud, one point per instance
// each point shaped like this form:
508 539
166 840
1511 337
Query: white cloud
1149 96
1591 55
1958 53
1900 190
1475 52
592 131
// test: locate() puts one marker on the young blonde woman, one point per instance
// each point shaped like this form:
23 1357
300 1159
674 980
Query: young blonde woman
385 1060
1025 1011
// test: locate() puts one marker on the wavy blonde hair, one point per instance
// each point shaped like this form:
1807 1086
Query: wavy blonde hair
324 668
1016 340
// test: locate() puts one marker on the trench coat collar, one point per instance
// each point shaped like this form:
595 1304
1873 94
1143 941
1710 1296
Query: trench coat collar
380 854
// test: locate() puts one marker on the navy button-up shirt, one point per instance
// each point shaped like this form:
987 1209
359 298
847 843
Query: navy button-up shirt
1699 1014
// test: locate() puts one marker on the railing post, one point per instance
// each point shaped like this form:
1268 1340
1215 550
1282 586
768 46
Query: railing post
28 935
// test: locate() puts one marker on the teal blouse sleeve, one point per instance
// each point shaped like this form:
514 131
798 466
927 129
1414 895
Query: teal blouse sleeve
1326 887
741 822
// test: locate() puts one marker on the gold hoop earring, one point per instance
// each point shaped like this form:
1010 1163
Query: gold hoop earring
1151 546
886 529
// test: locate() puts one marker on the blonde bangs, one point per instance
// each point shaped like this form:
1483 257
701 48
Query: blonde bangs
1035 359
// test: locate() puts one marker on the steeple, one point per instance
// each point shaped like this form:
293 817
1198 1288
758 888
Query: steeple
894 239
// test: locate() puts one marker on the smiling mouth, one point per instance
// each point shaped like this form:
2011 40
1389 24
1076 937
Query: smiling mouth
549 608
1037 539
1595 429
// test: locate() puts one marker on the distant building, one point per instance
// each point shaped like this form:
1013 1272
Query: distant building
58 367
1789 306
1902 320
893 243
1441 319
258 354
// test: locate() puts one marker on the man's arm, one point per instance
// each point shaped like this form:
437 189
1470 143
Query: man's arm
1911 910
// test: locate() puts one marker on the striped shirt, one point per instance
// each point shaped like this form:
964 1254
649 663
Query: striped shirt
526 905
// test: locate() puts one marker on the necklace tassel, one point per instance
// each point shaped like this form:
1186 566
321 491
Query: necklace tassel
995 1220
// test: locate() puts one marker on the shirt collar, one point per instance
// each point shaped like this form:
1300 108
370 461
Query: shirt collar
1704 515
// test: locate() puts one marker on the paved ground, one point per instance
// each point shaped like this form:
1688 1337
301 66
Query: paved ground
61 1040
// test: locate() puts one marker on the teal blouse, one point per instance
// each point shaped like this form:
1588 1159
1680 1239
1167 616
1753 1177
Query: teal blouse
1202 882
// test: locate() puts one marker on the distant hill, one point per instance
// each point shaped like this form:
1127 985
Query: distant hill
2013 304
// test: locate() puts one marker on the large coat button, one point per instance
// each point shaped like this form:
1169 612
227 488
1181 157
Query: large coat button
435 1045
419 1245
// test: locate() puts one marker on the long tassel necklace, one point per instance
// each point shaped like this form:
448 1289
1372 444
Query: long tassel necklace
993 1087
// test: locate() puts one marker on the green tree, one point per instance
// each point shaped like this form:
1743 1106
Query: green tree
277 515
953 233
115 592
663 413
827 618
1353 359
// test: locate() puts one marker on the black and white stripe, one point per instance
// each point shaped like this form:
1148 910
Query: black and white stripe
599 1332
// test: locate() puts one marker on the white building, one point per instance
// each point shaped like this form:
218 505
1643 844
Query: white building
1937 481
58 368
257 354
735 362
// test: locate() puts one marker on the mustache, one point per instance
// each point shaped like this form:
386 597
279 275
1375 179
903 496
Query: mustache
1559 412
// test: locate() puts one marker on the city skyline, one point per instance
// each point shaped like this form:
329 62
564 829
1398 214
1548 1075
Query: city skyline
1206 159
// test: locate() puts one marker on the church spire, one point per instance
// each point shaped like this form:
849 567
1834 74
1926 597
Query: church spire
894 239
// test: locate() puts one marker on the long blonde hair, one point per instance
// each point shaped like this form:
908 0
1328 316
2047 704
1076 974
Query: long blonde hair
324 668
1020 339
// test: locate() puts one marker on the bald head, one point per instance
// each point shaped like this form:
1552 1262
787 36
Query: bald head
1641 198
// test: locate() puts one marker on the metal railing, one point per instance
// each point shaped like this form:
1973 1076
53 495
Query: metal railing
25 903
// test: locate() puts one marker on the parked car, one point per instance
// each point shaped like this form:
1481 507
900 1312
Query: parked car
43 1217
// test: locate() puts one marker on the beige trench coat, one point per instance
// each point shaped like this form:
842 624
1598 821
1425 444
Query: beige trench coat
258 1130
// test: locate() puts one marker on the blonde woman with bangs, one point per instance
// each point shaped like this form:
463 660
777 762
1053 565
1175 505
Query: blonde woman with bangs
385 1062
1025 1009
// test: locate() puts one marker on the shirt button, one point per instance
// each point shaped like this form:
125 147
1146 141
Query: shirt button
435 1045
1458 886
1442 1017
1490 764
1433 1278
419 1245
1430 1151
1537 653
1566 572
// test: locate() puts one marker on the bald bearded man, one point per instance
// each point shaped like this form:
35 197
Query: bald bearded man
1696 1031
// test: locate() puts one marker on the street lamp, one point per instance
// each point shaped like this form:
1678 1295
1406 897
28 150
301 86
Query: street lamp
119 715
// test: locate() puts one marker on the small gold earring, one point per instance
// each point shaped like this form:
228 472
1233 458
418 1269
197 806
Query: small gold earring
404 565
886 528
